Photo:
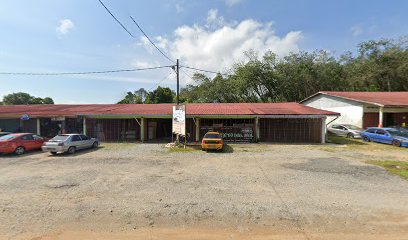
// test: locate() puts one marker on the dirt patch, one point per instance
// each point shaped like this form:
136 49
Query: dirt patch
255 191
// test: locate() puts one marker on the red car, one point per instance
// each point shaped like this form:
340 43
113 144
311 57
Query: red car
19 143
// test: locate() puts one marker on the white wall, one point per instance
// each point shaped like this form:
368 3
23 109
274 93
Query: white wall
351 112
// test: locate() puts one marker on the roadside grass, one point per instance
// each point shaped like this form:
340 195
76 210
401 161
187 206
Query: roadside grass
182 149
394 167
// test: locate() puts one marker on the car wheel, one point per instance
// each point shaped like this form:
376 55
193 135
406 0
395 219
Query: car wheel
71 150
54 153
396 143
19 150
95 145
350 135
366 139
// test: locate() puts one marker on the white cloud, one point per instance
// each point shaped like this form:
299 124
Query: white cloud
179 8
143 64
356 30
232 2
66 25
218 48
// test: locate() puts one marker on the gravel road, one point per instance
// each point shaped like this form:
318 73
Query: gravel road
129 191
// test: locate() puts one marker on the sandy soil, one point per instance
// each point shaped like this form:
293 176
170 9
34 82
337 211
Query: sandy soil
124 191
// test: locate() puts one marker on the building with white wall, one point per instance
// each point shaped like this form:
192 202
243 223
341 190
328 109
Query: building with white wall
363 109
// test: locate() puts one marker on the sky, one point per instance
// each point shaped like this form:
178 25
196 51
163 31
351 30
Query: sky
80 35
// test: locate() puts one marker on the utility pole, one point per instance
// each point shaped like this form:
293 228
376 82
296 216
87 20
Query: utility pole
178 80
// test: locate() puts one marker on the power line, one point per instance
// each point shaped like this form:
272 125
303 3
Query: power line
157 84
203 70
81 73
116 19
148 38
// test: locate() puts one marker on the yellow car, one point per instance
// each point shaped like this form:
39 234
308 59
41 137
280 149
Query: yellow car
213 141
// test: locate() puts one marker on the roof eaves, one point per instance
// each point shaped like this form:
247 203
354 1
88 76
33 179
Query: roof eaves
348 98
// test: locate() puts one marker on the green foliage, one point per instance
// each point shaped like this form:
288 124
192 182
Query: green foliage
22 98
380 65
159 95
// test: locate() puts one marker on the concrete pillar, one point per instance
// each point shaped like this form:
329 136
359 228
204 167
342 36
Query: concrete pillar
38 127
84 126
197 129
142 129
257 136
323 137
380 117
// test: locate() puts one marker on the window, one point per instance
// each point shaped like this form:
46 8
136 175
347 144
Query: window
336 126
7 137
380 132
37 137
370 130
84 137
76 138
27 137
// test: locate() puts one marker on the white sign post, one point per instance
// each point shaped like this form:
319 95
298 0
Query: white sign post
179 121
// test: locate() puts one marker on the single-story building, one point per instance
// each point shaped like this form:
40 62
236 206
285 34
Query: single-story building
238 122
363 109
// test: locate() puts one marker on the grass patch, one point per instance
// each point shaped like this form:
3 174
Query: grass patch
395 167
182 149
345 141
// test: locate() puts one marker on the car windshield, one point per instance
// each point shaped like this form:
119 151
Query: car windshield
7 137
212 135
395 132
352 127
61 138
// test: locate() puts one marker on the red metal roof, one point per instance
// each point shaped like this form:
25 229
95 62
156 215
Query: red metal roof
396 99
160 109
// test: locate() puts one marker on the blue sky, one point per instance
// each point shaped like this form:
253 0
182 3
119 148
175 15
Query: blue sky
74 35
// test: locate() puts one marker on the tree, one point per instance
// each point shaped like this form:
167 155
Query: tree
22 98
159 95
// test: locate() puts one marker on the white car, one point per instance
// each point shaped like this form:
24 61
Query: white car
69 143
346 130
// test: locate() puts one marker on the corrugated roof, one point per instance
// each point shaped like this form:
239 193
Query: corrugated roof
160 109
387 99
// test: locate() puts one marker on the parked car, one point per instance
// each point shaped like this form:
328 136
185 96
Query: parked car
386 135
69 143
212 140
4 134
346 130
19 143
399 128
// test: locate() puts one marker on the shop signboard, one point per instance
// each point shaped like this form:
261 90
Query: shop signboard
179 120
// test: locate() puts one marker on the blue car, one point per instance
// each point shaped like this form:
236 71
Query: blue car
386 135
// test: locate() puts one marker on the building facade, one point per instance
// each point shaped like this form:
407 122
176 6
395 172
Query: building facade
237 122
363 109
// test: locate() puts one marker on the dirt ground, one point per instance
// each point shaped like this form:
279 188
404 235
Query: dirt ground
256 191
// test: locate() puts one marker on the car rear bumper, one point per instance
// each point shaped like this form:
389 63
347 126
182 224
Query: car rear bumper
58 149
212 146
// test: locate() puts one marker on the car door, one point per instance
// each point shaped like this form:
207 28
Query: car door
76 142
380 136
37 141
388 138
28 142
336 129
86 141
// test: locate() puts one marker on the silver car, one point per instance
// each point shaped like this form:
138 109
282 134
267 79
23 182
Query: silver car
69 143
346 130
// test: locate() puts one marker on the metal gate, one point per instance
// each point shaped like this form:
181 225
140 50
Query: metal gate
291 130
